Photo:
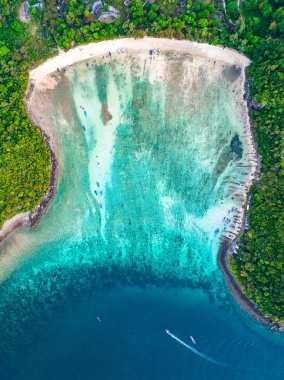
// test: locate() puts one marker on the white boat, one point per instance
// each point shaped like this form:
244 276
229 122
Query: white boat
192 339
167 331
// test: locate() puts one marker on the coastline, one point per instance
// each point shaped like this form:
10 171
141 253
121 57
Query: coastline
39 211
11 224
45 202
229 245
44 78
32 219
223 256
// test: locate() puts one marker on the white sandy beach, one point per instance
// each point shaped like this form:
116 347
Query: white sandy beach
12 223
39 75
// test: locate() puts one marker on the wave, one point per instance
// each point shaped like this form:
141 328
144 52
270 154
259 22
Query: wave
206 357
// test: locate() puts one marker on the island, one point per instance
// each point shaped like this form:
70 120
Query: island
55 123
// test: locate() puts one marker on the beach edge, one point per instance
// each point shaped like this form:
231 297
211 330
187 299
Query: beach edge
227 245
32 218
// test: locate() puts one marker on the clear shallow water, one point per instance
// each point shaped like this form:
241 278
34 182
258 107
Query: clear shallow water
131 234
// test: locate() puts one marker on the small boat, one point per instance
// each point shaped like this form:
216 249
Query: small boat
99 319
167 331
192 339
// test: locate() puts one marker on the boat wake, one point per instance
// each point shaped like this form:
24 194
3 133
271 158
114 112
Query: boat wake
206 357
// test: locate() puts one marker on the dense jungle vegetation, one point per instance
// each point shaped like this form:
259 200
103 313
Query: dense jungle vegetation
254 27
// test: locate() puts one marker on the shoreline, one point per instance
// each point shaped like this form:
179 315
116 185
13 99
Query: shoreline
12 224
44 78
45 202
229 244
224 253
42 207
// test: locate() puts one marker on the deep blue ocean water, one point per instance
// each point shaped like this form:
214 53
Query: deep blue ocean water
68 342
128 247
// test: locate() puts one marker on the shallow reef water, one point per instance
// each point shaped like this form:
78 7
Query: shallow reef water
150 150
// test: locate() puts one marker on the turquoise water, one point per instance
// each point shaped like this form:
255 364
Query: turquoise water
149 151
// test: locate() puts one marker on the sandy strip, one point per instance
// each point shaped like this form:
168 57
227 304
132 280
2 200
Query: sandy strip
13 223
40 76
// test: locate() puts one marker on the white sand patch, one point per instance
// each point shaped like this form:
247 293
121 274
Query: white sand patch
12 223
122 46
